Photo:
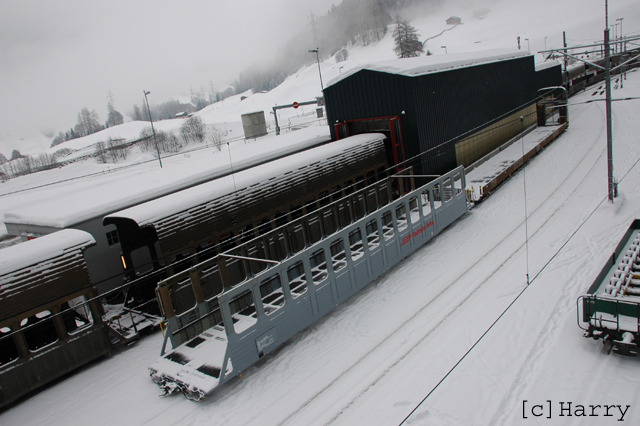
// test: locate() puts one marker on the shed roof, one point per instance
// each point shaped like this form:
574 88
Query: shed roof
412 67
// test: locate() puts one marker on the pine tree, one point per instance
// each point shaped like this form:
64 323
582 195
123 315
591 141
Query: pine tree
88 123
114 118
407 43
137 114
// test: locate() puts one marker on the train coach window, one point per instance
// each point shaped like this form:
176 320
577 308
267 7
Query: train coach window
142 262
227 242
336 192
310 204
348 187
338 255
371 177
318 266
359 205
211 281
246 234
243 311
296 211
296 236
205 251
297 279
457 183
437 196
112 238
372 234
281 219
272 295
447 189
355 243
8 350
264 226
330 221
426 203
387 225
344 215
360 182
324 198
76 314
42 331
414 209
401 217
382 173
182 296
180 263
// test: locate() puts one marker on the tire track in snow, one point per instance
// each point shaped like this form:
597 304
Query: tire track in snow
532 362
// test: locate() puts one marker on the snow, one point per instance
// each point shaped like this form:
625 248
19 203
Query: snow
42 249
97 190
148 212
374 359
546 64
431 64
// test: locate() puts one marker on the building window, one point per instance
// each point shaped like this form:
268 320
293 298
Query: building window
112 238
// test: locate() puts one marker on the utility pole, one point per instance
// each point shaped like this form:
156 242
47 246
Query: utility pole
317 52
623 48
607 65
152 129
566 58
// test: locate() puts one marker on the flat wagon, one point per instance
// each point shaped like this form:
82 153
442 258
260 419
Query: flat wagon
611 308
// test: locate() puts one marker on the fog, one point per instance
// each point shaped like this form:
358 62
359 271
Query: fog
58 57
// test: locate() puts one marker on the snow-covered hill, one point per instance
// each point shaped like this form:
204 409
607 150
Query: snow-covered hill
486 25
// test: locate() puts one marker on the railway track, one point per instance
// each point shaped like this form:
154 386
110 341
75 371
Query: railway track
452 287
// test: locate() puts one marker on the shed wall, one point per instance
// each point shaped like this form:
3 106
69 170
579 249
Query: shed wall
440 109
549 77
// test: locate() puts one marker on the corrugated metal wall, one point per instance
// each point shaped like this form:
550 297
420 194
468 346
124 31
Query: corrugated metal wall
440 109
549 77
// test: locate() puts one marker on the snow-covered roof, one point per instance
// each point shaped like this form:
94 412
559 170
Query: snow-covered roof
412 67
42 249
69 203
546 64
151 211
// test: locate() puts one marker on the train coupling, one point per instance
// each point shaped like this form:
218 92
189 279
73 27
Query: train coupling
170 387
626 346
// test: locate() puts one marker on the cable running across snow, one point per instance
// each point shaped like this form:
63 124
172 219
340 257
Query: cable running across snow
516 298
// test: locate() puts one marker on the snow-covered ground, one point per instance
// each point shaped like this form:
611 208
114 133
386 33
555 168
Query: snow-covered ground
374 359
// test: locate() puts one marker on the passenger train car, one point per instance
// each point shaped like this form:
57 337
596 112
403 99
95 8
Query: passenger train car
50 324
163 237
611 308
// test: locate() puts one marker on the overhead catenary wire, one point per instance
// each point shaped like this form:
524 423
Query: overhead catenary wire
219 245
526 213
544 267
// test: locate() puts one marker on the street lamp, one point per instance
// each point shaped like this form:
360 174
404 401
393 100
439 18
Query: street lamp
317 52
445 49
622 47
152 129
528 45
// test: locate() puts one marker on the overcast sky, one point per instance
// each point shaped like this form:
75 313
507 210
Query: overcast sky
57 57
